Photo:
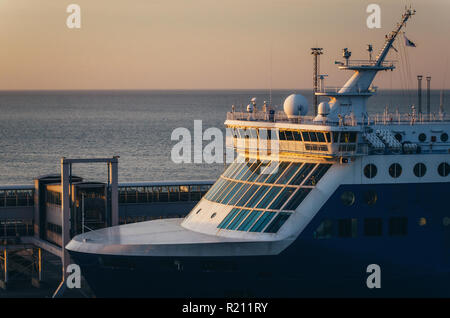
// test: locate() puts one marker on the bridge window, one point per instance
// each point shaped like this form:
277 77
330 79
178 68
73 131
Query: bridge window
420 169
335 136
305 136
278 222
297 136
444 169
348 137
395 170
327 134
398 226
324 230
321 137
348 198
370 171
373 227
347 228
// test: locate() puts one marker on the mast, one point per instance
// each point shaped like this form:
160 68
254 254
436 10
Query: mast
390 38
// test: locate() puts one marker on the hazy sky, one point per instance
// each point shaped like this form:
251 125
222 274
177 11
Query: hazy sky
206 44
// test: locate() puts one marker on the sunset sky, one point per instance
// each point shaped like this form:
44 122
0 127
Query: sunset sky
206 44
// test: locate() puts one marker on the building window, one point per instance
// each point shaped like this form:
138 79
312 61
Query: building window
398 226
422 137
348 198
370 197
395 170
213 215
324 230
420 169
198 211
370 171
444 137
444 169
373 227
347 227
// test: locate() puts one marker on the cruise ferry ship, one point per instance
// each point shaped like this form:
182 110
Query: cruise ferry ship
313 206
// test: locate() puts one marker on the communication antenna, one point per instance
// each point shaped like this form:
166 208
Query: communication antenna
370 50
316 52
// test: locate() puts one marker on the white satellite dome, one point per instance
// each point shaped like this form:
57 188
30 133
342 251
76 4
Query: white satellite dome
323 109
295 105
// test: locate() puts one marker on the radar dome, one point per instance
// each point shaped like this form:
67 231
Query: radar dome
323 109
295 105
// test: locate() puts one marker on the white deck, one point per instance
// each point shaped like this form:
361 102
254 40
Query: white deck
167 238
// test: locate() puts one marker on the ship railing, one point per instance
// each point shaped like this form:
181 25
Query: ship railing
281 117
337 89
344 120
405 118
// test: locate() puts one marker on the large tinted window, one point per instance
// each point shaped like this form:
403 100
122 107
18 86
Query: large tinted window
262 222
277 222
269 197
299 196
302 174
249 221
282 198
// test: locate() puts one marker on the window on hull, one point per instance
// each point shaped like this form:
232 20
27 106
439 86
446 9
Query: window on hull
373 227
398 226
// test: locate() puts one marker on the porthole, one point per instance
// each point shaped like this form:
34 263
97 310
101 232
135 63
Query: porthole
370 171
399 137
422 137
213 215
395 170
348 198
444 137
420 169
422 222
444 169
370 197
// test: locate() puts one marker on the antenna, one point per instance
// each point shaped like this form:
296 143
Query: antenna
346 54
370 50
316 52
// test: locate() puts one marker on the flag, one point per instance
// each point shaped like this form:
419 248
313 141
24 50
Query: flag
408 42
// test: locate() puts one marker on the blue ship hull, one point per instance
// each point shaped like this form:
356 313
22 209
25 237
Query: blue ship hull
413 265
